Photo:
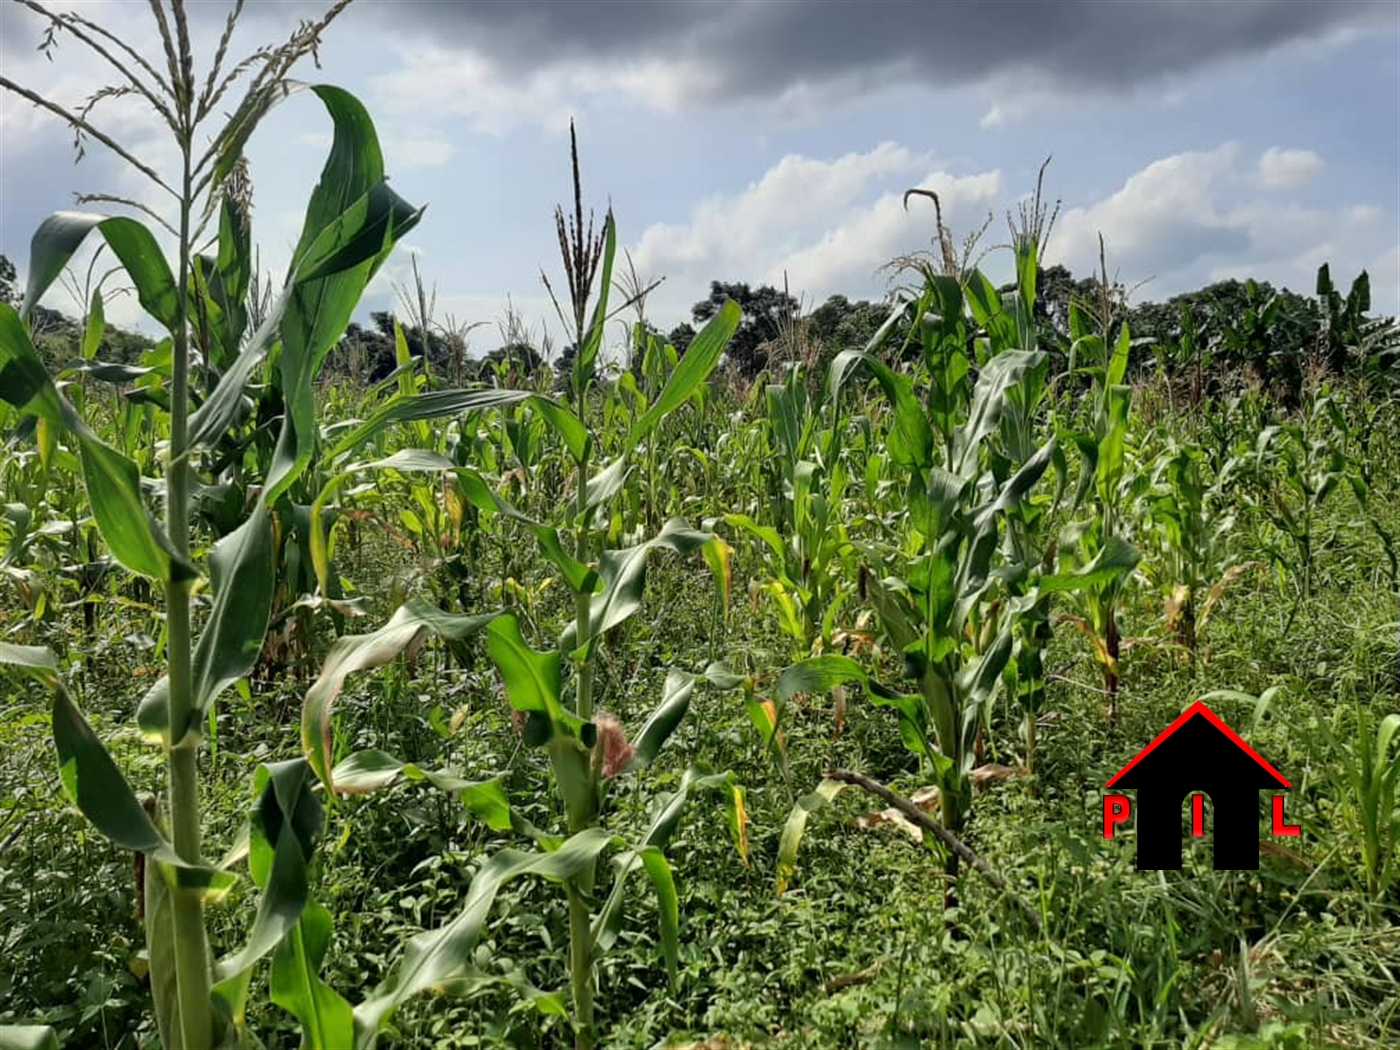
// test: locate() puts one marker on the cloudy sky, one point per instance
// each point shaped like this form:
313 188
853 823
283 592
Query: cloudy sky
748 139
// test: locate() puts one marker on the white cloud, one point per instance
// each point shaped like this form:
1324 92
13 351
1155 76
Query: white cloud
417 151
827 224
1288 169
1165 217
494 100
1026 94
1178 223
1189 219
848 256
1385 281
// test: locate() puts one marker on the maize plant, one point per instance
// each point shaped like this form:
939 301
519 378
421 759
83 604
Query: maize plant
1294 470
807 551
1195 566
930 595
1006 322
1094 550
351 224
562 714
1372 802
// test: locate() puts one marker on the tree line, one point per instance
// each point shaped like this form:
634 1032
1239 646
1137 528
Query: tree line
1228 328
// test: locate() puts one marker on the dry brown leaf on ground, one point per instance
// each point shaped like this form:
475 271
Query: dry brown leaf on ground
926 798
984 776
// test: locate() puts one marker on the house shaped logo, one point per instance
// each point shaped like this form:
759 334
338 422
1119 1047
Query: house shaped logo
1197 755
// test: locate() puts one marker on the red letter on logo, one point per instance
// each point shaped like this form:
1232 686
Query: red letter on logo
1198 816
1280 828
1116 809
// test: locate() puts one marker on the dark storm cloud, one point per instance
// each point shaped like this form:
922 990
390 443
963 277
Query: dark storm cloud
763 46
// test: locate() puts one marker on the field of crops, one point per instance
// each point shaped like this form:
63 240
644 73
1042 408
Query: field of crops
630 703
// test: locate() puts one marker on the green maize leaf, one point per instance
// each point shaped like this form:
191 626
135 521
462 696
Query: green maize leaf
363 651
411 459
977 681
675 702
96 786
624 579
788 613
20 518
608 923
580 578
1019 485
573 433
820 674
112 480
893 604
327 1020
358 235
28 1037
219 410
367 771
1114 561
720 676
160 946
533 679
482 496
695 367
60 235
232 276
766 533
37 661
796 826
473 981
668 907
593 339
403 371
93 782
437 956
910 441
339 263
989 397
432 404
47 440
1118 364
284 824
112 372
131 532
405 460
606 484
95 326
243 576
990 312
933 505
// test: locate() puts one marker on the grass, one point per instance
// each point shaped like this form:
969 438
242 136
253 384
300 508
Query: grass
860 950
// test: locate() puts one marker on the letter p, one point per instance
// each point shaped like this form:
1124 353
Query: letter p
1116 809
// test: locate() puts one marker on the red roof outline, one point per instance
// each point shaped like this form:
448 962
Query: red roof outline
1199 707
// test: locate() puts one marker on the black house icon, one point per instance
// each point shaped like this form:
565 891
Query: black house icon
1198 752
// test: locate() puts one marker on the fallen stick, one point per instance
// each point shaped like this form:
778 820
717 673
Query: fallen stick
923 820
